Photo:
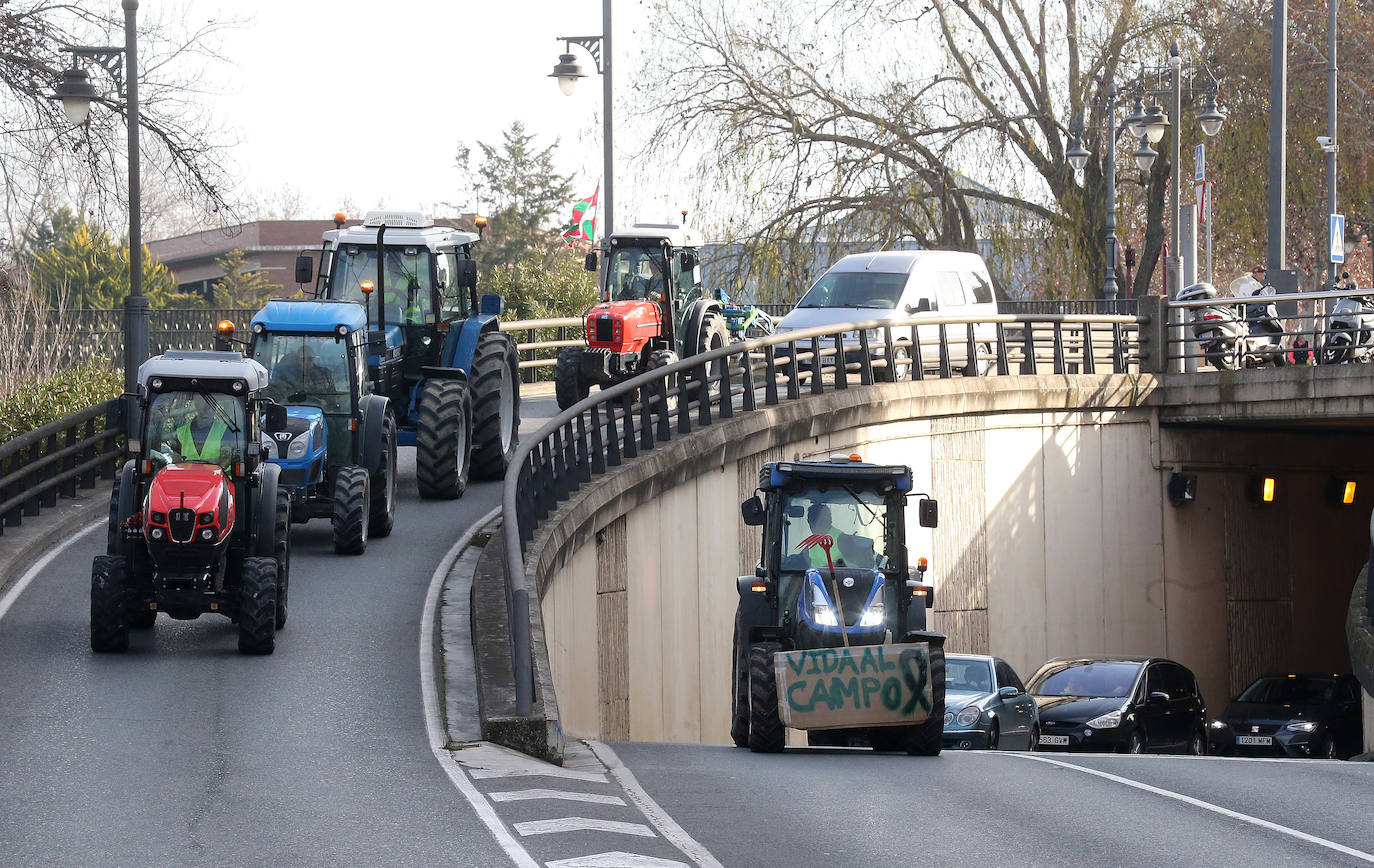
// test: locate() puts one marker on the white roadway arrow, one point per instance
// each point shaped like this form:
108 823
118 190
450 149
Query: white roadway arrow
616 860
583 824
568 795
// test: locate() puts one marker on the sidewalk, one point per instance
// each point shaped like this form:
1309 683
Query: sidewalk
21 546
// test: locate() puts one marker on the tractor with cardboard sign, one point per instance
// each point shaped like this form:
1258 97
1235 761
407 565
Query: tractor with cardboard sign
830 630
653 311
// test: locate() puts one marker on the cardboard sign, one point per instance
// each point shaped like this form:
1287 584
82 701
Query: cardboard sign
866 685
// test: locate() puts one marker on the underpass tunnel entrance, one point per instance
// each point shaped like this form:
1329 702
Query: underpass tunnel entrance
1265 533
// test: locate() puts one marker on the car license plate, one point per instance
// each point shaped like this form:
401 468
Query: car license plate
1059 740
1254 739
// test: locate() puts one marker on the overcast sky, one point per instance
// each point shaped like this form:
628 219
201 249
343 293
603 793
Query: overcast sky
367 102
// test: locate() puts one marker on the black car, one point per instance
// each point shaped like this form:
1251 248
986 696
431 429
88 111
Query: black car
1124 704
1291 714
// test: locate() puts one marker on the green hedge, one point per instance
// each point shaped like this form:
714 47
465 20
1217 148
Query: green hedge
68 391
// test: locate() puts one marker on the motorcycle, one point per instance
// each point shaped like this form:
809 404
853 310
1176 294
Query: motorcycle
1349 334
1229 339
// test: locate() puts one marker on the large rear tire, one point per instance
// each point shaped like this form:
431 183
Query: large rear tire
281 549
664 389
351 511
443 439
109 618
926 739
568 387
257 614
766 732
495 405
382 480
739 692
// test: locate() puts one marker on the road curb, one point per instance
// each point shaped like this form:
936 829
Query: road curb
21 546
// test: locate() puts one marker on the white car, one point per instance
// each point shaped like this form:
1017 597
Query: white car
896 285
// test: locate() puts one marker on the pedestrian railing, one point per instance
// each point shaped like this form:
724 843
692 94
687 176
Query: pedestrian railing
52 462
617 424
542 339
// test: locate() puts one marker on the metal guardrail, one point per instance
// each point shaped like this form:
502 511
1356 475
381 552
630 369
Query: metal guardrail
541 337
53 461
1302 315
99 333
605 429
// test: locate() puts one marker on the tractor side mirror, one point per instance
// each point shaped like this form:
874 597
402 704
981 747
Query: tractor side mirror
689 261
492 305
274 418
928 511
752 511
590 262
467 274
305 268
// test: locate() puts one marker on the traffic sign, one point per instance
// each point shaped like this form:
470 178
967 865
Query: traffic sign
1199 164
1337 238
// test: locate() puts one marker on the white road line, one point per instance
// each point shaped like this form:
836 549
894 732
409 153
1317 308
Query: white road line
32 572
548 771
616 860
1208 806
566 795
583 824
434 727
665 824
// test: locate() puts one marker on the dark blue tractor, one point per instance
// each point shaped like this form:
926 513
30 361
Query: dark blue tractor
337 453
832 574
434 349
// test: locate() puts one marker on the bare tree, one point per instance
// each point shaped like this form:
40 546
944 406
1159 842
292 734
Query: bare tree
866 122
44 159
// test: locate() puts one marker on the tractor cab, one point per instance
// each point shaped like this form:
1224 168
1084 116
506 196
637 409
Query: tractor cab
834 552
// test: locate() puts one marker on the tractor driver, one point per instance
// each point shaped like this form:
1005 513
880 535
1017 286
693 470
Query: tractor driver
641 280
403 295
191 430
301 374
849 549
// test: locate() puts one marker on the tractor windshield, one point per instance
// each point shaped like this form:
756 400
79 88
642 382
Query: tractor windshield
195 426
636 273
407 273
852 520
305 369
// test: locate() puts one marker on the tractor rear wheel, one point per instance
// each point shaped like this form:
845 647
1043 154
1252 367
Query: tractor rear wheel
109 590
257 610
382 480
351 511
766 732
495 405
926 739
281 549
568 387
443 439
662 391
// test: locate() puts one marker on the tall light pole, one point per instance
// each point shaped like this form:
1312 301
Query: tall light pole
75 92
567 71
1078 157
1277 258
1331 147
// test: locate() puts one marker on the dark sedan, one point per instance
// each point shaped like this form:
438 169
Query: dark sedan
1293 715
1119 704
986 705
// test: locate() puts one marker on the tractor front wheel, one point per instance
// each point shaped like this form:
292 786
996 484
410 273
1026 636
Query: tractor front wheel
257 615
351 511
926 739
443 439
663 389
766 732
281 549
109 618
495 405
382 480
739 693
568 386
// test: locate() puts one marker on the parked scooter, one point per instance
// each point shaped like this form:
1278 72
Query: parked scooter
1349 334
1230 339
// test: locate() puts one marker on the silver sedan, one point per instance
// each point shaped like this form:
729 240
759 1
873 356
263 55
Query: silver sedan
986 705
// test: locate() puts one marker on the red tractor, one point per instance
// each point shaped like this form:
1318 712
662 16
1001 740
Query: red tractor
653 311
198 522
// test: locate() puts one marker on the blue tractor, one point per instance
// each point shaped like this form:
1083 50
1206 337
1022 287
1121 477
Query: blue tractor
338 451
434 348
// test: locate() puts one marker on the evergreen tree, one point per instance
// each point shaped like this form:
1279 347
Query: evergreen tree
240 287
85 268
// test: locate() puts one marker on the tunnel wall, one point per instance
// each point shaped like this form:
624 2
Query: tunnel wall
1055 539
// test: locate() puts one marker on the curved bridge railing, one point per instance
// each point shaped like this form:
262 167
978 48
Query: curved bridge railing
614 425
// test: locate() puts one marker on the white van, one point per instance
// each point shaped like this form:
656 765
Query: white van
897 285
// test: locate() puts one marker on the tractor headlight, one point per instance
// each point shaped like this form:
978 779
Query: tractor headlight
876 614
969 716
207 517
821 610
1110 720
297 447
207 533
157 517
156 533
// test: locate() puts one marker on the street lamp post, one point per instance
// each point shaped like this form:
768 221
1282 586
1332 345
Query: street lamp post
1078 156
567 71
76 92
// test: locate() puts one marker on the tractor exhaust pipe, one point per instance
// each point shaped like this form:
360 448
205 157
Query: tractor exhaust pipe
381 285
